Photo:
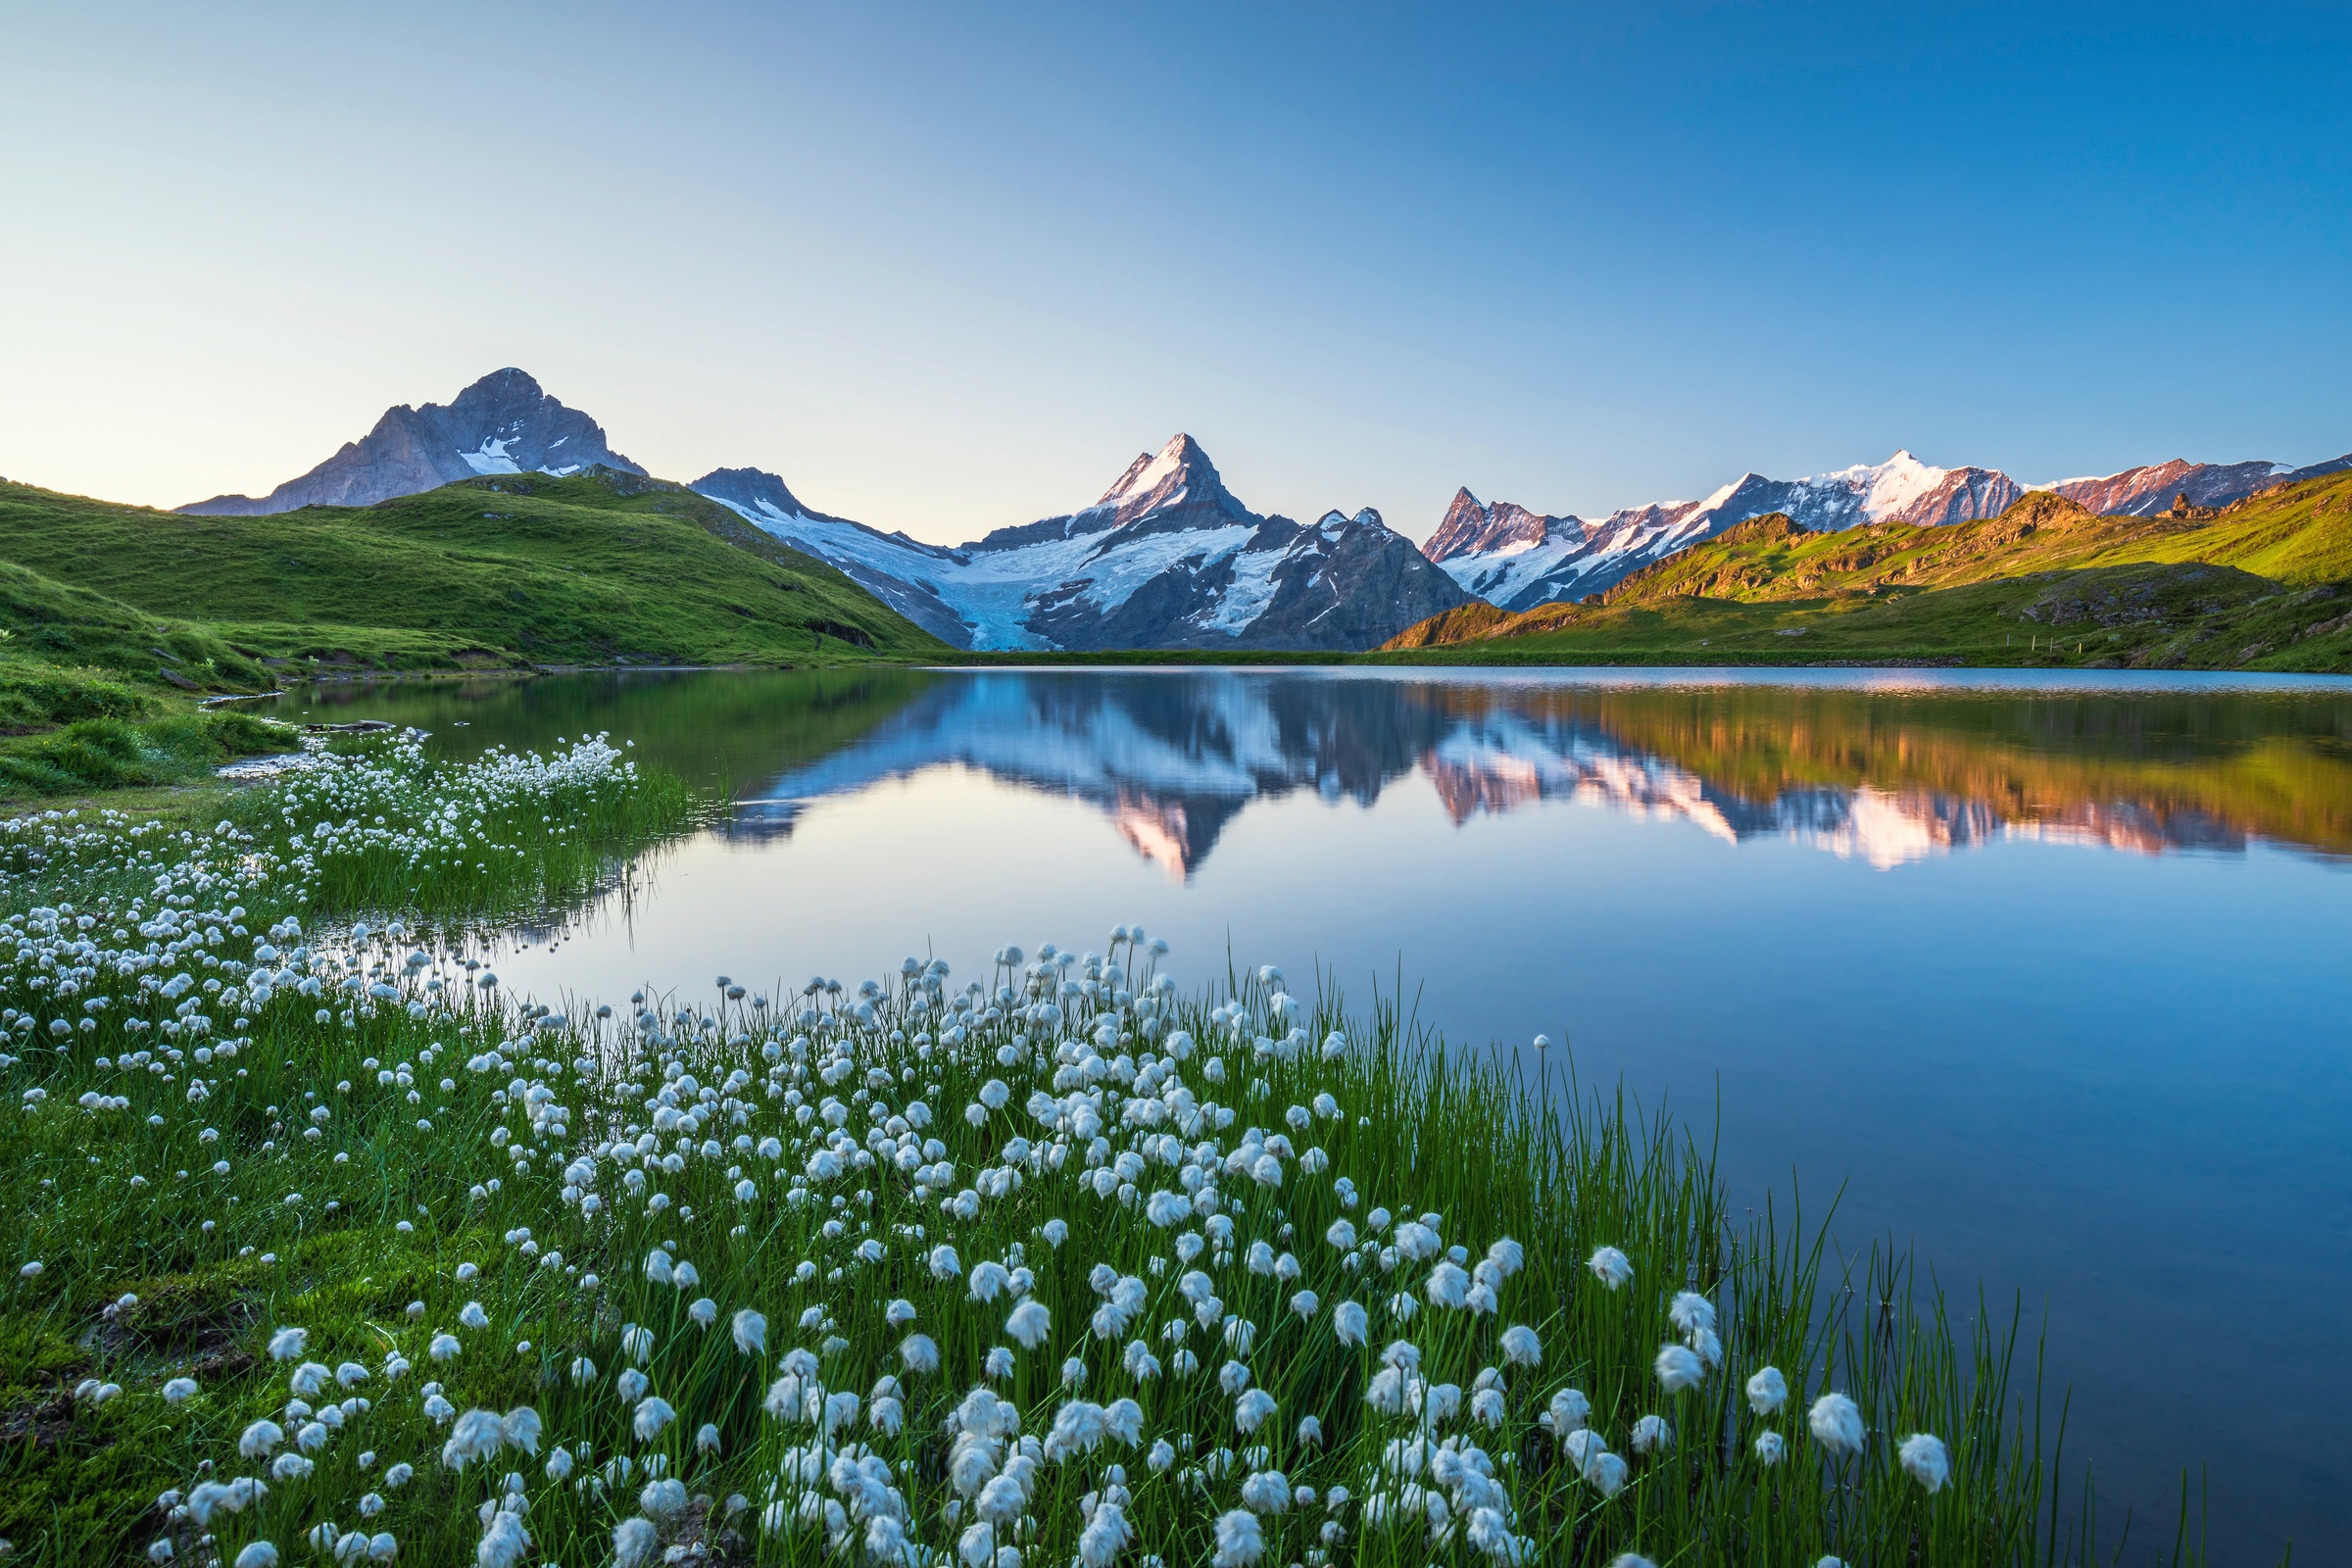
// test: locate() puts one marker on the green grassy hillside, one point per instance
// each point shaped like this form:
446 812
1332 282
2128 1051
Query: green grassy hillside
597 568
2298 535
2264 584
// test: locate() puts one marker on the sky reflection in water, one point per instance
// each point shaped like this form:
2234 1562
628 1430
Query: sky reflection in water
2051 976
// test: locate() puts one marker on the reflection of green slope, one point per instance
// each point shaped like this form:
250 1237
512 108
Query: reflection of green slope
2274 765
727 728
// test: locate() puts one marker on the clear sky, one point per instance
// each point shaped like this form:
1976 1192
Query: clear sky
949 266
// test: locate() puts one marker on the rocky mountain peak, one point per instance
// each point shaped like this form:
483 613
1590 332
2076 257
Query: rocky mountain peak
1178 472
504 422
1472 527
750 491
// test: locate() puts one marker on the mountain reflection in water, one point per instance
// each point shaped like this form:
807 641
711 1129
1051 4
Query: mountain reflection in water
2113 1084
1884 776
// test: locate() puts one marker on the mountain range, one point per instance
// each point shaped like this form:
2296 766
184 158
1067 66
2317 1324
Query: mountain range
1516 559
1169 557
1166 558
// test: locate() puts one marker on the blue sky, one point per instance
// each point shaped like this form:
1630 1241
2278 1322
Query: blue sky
951 267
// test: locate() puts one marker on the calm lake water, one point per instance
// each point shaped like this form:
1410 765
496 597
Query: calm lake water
2052 974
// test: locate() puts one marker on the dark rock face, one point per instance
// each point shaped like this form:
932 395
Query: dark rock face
503 424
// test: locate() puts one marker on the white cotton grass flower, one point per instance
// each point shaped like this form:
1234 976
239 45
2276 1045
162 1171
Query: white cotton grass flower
1448 1286
1610 1266
1679 1368
1252 1409
634 1542
504 1543
178 1390
1691 1313
1568 1412
1240 1540
1521 1346
521 1428
750 1331
288 1344
1029 1323
651 1414
444 1347
471 1316
257 1554
477 1435
261 1438
1651 1434
1836 1422
704 1312
1770 1446
1926 1460
919 1354
1349 1322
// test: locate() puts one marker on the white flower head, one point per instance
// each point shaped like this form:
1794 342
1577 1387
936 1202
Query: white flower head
1836 1422
1610 1266
1926 1460
1679 1368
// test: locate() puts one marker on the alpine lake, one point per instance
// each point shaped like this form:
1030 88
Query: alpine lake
2045 979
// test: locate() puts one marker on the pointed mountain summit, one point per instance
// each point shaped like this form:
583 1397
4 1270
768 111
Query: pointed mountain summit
503 424
1167 558
1472 527
1170 490
1177 473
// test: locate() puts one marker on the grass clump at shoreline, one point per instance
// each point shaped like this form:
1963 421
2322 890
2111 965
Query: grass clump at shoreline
326 1247
116 753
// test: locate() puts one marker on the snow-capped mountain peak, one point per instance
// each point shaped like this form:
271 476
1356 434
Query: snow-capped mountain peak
1161 475
1168 558
1177 482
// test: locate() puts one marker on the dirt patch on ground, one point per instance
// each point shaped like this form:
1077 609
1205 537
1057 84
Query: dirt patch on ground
178 1328
43 1421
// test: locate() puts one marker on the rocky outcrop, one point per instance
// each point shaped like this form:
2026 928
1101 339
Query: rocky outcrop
503 424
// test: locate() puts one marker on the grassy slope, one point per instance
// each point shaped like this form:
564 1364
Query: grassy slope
49 622
2264 584
498 570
